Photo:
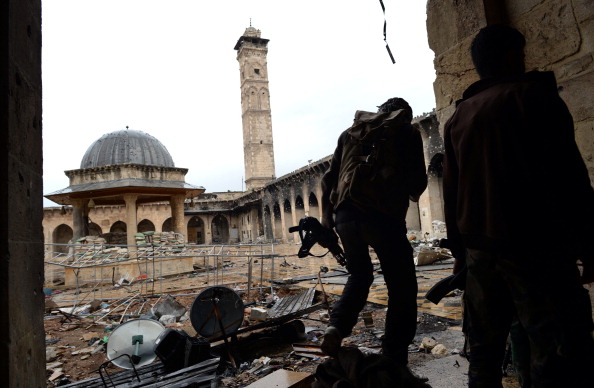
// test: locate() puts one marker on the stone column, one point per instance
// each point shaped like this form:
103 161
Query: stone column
272 224
207 230
305 194
319 195
131 220
177 215
292 199
254 222
283 223
78 218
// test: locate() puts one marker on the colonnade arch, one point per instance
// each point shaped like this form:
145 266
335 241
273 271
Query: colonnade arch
167 225
196 230
220 229
94 229
118 227
314 208
299 208
278 225
62 235
145 226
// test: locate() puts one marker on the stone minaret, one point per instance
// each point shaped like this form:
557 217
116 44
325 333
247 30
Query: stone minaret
258 150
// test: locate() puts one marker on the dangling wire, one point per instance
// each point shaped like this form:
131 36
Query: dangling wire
385 38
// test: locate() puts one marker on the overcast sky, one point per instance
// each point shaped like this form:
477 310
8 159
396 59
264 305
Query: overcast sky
168 68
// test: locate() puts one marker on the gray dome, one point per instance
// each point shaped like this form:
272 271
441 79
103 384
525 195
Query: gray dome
127 146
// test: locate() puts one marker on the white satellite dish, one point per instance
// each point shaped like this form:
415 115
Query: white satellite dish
136 338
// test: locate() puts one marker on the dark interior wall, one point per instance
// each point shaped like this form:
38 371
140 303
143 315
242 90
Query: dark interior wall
22 345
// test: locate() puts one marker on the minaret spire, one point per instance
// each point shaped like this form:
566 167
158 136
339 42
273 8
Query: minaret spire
258 149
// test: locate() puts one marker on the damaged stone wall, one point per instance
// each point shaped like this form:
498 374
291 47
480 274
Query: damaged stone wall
560 38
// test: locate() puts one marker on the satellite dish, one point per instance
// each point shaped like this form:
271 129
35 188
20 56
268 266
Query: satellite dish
135 338
217 311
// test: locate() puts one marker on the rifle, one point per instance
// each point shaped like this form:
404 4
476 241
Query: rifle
449 284
311 232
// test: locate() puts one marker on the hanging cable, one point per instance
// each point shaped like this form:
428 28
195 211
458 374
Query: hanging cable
385 38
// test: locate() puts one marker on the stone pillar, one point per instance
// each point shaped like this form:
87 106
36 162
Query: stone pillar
208 230
177 215
283 223
305 194
272 223
254 222
131 219
319 195
292 200
79 225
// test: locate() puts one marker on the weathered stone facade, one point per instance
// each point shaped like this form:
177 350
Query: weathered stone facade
559 37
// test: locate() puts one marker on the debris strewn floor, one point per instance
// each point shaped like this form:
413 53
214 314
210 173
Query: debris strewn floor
76 341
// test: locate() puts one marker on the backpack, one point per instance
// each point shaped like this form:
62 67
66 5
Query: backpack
372 172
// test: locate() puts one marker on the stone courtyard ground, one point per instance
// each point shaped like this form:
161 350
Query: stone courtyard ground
76 342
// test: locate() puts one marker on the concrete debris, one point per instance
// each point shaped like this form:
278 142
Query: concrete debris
53 365
57 374
426 255
51 354
427 343
258 314
169 306
90 335
95 305
185 317
76 310
324 316
86 350
439 349
167 319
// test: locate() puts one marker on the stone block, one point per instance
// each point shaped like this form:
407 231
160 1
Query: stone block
454 73
449 23
551 33
575 67
439 349
428 343
258 314
516 9
583 10
587 34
